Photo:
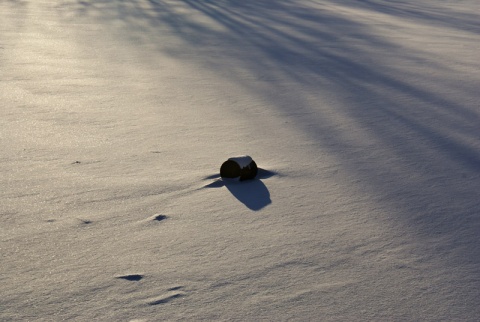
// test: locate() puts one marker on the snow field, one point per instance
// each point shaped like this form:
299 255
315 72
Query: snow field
116 117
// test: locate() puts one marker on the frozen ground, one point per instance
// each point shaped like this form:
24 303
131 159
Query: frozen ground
116 116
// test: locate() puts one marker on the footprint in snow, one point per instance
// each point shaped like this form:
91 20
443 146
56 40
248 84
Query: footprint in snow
132 277
175 288
159 217
165 299
85 221
174 293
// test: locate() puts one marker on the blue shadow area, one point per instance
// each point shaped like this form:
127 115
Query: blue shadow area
401 117
253 193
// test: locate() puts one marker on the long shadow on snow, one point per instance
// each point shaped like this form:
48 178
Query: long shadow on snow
420 139
318 51
252 193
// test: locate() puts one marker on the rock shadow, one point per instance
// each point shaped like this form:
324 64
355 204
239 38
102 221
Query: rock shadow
253 193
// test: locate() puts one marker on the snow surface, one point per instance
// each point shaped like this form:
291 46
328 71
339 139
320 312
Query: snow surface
243 161
116 116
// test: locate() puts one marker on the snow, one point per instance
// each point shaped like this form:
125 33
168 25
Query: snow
115 117
243 161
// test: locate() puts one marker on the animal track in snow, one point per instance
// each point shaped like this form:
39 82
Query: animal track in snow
159 217
85 221
175 288
165 299
132 277
174 293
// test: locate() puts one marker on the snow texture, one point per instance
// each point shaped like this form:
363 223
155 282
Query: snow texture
363 117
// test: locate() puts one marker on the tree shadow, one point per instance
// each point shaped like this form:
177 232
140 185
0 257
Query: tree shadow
292 51
452 17
408 134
